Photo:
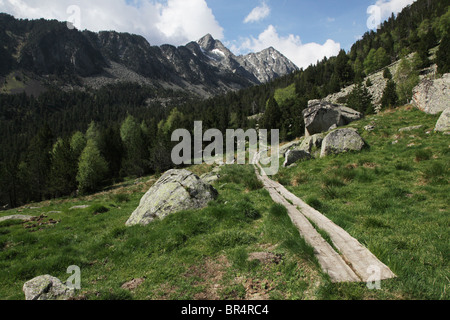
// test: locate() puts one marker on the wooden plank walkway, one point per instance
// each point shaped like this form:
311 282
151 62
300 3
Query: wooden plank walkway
353 263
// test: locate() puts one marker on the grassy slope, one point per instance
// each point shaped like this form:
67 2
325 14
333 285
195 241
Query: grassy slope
190 255
394 198
382 196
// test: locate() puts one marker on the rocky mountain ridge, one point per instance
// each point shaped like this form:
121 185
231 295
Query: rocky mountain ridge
50 50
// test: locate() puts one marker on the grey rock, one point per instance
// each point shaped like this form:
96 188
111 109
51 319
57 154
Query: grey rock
16 217
311 142
443 124
289 146
210 177
342 140
432 96
407 129
175 191
322 116
47 288
369 128
81 207
293 156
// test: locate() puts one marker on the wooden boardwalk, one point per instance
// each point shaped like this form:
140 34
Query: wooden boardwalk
353 262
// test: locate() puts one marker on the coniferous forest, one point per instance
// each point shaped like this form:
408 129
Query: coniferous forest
63 143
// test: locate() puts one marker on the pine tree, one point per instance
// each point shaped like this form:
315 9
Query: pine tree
272 116
390 98
63 170
387 74
443 56
360 99
92 169
39 162
135 162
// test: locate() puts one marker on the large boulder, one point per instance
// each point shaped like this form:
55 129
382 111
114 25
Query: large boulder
292 156
175 191
342 140
443 124
47 288
322 116
432 96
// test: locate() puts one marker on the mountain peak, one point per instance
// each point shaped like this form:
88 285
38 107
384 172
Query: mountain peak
207 42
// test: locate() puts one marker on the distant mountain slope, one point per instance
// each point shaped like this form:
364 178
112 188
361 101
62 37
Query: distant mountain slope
50 50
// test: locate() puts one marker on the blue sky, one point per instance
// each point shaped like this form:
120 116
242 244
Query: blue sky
313 21
303 30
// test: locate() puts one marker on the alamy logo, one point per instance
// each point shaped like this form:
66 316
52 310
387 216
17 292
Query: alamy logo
74 281
374 20
239 147
74 19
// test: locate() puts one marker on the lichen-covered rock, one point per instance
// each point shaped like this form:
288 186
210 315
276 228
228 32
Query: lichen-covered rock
443 124
47 288
342 140
322 116
292 156
175 191
432 96
210 177
311 142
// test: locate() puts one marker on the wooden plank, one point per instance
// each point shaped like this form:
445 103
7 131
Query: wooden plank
360 259
330 261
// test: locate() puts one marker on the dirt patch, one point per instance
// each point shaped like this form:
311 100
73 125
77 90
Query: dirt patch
257 289
40 223
210 274
133 284
266 258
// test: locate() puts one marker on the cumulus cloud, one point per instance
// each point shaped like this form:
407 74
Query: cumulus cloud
160 21
291 46
388 7
258 13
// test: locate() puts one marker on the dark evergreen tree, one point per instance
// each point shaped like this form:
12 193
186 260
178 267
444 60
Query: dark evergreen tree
360 99
63 170
443 56
390 98
39 163
272 116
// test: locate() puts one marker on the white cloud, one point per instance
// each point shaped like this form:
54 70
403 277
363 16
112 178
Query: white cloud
291 46
160 21
392 6
258 13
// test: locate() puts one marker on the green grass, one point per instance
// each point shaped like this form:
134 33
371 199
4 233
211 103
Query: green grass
182 257
393 198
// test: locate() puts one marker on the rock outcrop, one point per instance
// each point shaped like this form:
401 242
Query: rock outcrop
312 142
16 217
292 156
322 116
175 191
432 96
443 124
47 288
342 140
